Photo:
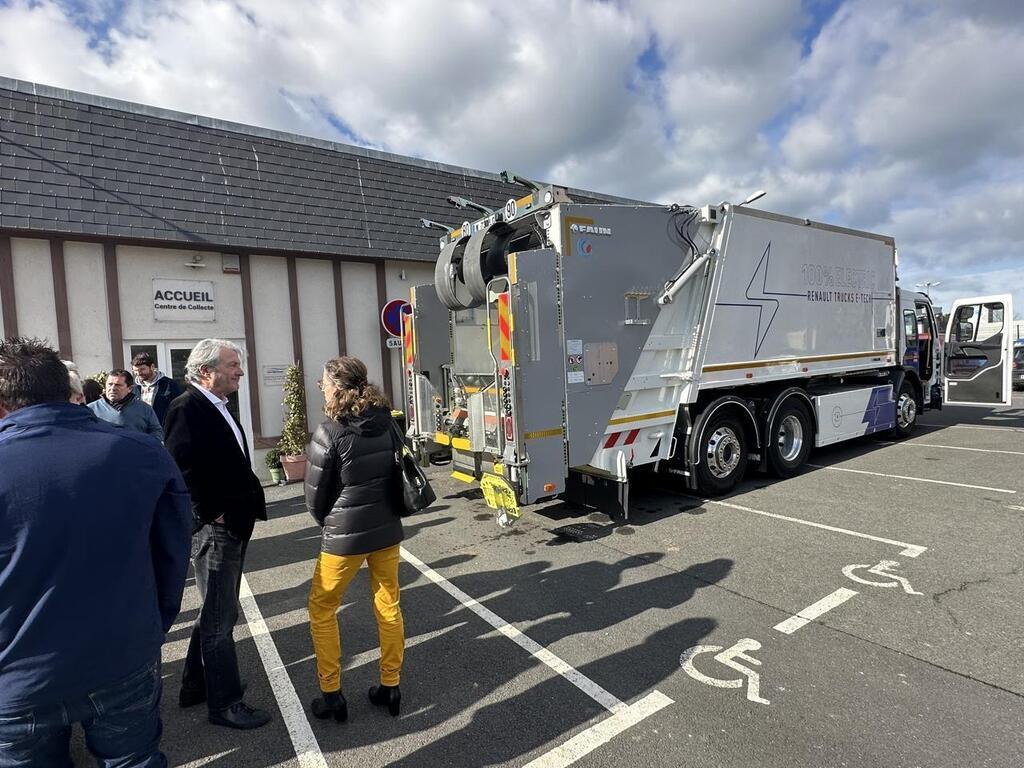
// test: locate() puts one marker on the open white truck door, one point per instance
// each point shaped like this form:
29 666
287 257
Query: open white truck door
979 351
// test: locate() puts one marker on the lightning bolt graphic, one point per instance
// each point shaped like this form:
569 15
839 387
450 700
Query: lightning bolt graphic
758 293
763 303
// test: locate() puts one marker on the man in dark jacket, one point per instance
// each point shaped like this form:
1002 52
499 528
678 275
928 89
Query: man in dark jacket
227 499
151 386
90 578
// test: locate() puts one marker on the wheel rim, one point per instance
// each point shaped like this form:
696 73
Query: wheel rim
723 452
906 411
790 437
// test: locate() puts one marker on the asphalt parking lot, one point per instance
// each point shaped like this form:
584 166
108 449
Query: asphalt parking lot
865 613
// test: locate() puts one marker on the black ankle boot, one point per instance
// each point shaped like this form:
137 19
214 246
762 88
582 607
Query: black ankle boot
387 696
330 705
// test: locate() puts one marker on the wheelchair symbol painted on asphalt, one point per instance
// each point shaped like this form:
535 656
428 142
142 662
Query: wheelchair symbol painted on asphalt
883 569
731 657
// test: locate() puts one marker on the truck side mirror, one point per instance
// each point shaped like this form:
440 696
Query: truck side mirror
964 331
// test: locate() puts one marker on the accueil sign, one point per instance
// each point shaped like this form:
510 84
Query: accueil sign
183 301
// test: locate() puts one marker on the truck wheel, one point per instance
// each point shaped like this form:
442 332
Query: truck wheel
789 439
906 411
722 455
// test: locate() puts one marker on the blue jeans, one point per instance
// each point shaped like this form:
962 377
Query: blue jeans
121 722
211 663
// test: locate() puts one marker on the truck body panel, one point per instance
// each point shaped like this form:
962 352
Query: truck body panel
794 300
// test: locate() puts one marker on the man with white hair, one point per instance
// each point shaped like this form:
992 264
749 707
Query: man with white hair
207 442
77 393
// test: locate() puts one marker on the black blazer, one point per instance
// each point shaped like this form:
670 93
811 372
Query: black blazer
218 474
167 390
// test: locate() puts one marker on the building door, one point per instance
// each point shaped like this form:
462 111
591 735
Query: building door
171 358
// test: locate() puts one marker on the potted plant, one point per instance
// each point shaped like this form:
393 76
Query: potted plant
292 445
273 462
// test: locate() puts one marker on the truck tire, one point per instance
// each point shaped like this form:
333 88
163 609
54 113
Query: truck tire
906 412
722 455
788 442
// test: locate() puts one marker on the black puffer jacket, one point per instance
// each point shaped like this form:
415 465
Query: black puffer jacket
352 486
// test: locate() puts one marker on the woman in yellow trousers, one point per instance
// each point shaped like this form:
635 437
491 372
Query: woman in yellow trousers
353 493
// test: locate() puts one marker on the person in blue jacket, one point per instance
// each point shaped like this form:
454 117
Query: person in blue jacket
121 407
95 531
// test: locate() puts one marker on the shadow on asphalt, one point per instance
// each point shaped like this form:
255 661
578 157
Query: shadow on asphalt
463 661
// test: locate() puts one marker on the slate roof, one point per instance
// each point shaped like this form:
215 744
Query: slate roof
75 164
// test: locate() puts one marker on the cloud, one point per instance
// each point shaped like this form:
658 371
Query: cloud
900 117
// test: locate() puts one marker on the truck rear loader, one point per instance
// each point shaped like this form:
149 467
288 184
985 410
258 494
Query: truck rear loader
565 347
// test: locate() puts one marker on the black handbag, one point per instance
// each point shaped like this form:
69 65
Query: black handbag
417 494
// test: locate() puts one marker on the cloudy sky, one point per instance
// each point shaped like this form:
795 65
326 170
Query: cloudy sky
899 116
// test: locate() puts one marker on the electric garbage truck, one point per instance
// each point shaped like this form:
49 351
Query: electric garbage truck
565 347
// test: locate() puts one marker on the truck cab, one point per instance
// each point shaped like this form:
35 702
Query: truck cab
921 347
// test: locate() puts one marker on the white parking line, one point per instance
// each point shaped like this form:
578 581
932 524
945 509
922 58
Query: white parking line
915 479
581 681
811 612
623 716
970 426
299 731
957 448
909 550
593 737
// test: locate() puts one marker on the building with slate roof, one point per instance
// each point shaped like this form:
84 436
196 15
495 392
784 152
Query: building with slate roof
126 228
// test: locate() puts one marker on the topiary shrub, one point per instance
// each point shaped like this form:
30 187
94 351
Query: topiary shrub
293 436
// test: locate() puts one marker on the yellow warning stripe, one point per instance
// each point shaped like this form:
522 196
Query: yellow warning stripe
642 417
407 341
505 328
791 361
553 432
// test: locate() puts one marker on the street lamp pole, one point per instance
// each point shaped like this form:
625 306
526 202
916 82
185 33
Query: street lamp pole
927 286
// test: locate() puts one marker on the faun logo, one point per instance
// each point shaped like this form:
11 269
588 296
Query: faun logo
589 229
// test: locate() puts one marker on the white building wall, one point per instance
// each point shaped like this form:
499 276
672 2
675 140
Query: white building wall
362 316
272 326
318 323
87 307
137 267
400 277
33 289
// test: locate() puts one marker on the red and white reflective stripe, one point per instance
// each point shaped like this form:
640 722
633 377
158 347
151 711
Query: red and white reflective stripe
613 438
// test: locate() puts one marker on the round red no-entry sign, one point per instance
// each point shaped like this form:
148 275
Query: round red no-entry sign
391 316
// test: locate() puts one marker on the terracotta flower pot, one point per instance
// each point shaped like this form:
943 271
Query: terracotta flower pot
294 467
